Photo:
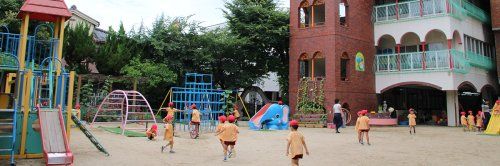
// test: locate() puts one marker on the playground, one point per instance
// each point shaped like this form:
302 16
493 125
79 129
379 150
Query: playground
390 146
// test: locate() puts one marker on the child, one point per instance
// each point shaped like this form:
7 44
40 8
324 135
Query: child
463 121
195 119
171 111
364 126
169 134
357 126
220 127
295 144
412 121
479 118
152 132
229 136
470 119
236 114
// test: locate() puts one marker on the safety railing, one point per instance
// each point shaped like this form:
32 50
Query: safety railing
479 60
427 8
419 61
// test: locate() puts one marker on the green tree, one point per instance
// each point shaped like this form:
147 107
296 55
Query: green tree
266 28
154 73
8 15
79 48
113 55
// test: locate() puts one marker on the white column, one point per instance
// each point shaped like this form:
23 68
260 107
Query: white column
452 107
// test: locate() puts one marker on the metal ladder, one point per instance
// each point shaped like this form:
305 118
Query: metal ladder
4 123
89 135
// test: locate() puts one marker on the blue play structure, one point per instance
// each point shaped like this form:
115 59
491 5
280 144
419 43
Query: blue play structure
270 117
198 89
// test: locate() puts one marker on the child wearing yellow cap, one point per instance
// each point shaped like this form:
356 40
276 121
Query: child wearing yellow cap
296 144
169 134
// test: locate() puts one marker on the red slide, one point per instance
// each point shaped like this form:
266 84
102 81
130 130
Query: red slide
54 140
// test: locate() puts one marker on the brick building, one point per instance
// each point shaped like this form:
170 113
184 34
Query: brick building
436 56
495 22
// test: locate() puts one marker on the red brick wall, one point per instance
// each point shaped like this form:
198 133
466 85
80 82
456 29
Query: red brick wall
332 40
495 13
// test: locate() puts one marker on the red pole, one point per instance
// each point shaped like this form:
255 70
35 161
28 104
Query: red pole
397 10
398 48
449 51
447 6
423 55
421 8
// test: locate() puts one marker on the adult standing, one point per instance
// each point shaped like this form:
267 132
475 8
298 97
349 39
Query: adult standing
337 116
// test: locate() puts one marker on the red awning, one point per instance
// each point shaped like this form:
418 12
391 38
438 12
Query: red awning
45 10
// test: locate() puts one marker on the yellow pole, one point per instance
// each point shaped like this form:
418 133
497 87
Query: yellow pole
23 41
244 107
69 107
56 36
60 45
163 102
26 108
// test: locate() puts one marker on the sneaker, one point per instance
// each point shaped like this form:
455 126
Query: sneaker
171 151
230 154
225 159
162 148
369 144
362 143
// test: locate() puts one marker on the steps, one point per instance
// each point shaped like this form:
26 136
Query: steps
8 122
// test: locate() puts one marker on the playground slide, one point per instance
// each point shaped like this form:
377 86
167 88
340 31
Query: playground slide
254 122
89 135
493 125
54 140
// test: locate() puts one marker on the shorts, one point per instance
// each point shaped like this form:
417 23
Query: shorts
299 156
195 123
364 130
229 143
150 137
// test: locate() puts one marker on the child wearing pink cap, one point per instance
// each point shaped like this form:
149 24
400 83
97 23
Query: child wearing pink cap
412 122
169 134
463 121
472 121
364 126
152 132
360 140
229 134
479 118
195 119
296 144
220 127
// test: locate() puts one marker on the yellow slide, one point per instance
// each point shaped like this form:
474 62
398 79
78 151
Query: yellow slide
493 125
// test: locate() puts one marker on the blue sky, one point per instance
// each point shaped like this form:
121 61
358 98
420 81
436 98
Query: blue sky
133 12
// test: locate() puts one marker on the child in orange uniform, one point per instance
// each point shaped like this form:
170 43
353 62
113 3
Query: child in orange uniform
357 126
472 121
364 126
169 134
412 120
229 136
171 111
479 118
236 114
220 127
152 132
463 121
295 144
195 119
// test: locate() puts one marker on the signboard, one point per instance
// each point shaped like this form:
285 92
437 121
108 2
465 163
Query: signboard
360 62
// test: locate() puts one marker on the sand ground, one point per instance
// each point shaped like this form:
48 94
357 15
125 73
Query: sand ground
390 146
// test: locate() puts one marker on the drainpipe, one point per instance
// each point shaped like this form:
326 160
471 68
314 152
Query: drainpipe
451 56
398 49
447 6
423 55
421 8
397 9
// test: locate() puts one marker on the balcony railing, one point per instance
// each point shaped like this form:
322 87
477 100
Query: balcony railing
418 61
427 8
480 61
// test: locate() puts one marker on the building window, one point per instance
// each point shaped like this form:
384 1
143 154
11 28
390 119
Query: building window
476 46
343 7
319 12
304 14
303 66
344 62
319 65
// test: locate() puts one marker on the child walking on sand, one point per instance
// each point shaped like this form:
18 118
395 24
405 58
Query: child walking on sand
229 136
463 121
220 127
356 128
195 119
295 144
472 121
364 126
236 114
169 134
479 118
152 132
412 120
